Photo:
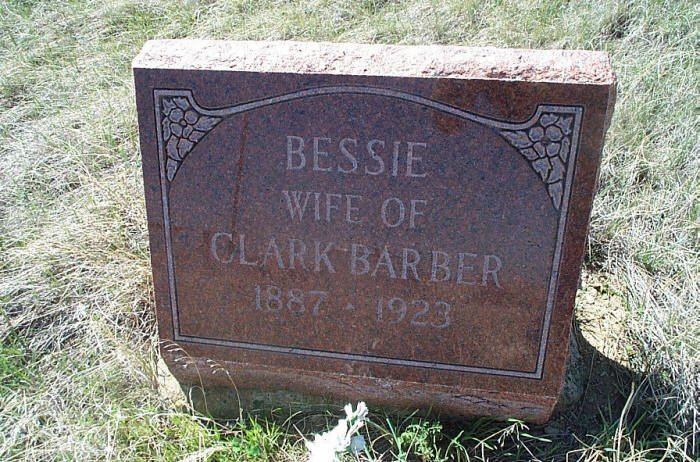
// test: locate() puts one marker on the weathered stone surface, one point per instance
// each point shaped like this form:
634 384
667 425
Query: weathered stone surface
401 225
574 378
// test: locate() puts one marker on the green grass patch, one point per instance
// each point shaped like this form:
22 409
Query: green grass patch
14 365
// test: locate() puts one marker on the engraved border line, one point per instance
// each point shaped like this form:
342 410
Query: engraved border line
576 111
166 205
561 228
324 91
348 356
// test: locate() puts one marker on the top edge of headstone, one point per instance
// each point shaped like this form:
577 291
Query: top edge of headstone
427 61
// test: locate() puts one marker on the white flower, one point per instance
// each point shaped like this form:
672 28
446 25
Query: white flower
324 447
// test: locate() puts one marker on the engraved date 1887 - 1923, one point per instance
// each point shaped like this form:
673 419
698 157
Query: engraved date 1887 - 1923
417 313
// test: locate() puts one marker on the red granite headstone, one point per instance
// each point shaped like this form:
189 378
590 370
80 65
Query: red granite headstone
401 225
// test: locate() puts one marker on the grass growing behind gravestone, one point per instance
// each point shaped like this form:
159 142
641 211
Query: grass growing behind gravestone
77 339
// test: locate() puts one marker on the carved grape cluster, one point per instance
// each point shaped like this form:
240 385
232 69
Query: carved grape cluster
546 145
183 127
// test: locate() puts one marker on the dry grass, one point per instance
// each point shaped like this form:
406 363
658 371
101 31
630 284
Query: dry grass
77 345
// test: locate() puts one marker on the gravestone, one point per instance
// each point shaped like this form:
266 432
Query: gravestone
401 225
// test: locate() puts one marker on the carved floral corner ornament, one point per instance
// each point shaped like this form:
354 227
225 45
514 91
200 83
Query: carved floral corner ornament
546 145
545 140
182 127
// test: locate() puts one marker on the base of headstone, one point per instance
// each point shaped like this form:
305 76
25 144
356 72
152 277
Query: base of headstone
222 389
230 402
